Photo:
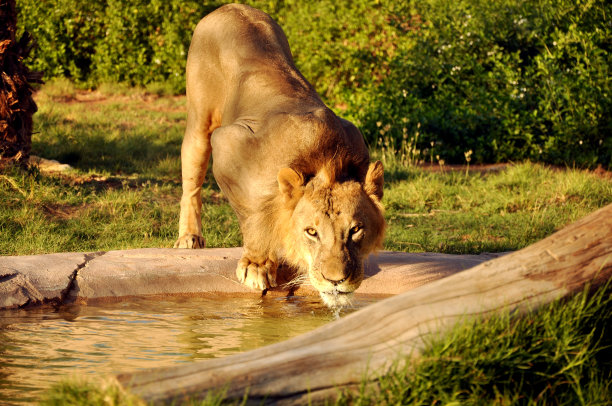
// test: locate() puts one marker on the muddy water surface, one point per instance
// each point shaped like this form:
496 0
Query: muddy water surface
39 347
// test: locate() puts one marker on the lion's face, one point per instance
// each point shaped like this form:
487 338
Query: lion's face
333 230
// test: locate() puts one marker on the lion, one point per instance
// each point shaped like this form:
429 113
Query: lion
298 177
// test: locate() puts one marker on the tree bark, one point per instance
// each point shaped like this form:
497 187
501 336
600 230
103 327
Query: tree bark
340 354
16 103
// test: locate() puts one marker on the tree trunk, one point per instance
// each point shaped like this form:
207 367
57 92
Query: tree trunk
16 103
338 355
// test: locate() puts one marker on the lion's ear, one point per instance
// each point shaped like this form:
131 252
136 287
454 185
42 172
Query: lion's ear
374 180
290 183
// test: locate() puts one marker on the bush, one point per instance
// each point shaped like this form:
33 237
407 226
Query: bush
508 80
66 35
137 42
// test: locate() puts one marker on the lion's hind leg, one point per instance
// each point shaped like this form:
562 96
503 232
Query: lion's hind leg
257 274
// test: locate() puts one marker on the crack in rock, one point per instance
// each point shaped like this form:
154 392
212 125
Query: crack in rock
5 277
65 295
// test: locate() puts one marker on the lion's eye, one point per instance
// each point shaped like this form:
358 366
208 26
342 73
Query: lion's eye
311 232
356 232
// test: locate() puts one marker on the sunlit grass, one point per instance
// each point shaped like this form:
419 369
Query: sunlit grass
506 210
83 392
124 191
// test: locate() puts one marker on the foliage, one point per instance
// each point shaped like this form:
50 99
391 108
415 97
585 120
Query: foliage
508 79
66 35
147 41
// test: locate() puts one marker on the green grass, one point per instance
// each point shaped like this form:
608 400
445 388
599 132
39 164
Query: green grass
75 392
503 211
558 355
124 144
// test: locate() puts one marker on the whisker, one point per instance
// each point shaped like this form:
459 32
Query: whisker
299 280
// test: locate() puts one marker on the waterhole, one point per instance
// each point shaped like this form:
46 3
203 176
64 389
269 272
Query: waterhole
39 347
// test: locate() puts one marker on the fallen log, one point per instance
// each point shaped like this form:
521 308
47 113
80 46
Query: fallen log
314 366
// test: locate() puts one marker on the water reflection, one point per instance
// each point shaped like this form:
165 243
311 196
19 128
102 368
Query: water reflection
41 346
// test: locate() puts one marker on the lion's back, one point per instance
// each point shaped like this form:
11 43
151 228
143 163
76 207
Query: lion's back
237 32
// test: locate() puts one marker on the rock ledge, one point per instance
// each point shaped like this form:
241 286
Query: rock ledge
111 275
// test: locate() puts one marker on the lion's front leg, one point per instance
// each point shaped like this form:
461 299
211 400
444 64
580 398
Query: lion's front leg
190 226
195 154
257 274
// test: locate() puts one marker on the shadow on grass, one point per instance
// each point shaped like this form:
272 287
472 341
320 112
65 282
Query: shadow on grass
109 147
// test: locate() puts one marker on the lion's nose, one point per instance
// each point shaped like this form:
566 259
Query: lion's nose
333 281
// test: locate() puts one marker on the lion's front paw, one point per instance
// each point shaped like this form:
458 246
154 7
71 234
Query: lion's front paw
257 276
190 241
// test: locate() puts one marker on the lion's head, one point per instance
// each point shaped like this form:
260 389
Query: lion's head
333 227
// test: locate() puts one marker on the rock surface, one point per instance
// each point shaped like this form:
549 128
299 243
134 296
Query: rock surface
111 275
48 165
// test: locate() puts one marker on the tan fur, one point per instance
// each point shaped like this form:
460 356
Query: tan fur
286 162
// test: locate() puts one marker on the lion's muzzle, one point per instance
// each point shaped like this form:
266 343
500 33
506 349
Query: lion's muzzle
336 278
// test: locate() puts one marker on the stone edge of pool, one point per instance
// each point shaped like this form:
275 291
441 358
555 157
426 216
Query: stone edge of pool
32 280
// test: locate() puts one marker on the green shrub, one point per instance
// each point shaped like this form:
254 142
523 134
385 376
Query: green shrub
506 79
147 41
510 80
66 35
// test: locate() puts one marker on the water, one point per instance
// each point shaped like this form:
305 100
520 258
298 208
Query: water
39 347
